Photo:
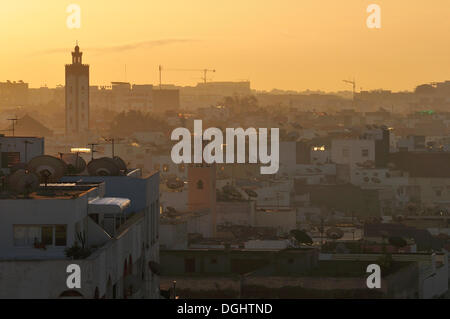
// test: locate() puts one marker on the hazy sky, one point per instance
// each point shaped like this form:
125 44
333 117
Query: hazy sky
286 44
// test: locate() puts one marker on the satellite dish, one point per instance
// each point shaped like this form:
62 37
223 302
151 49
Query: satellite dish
75 163
23 182
120 162
17 167
104 166
48 168
175 184
335 233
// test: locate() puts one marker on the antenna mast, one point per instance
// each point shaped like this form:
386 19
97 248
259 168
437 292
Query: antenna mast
14 121
92 145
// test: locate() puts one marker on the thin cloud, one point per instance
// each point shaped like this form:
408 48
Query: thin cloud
124 47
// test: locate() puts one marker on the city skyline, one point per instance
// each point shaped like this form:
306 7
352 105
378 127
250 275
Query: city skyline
286 46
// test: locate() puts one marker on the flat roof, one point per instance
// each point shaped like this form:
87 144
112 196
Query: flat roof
54 191
108 205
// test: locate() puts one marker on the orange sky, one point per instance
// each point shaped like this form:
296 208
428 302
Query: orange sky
285 44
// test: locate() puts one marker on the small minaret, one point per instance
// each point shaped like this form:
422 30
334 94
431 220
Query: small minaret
77 55
77 96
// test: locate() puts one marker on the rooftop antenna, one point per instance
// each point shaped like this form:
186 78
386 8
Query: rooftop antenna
92 145
160 82
205 72
113 141
14 121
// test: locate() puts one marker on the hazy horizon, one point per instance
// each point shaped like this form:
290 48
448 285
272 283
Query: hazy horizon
285 45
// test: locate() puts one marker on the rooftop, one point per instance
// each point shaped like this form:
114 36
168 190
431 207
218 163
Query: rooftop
53 191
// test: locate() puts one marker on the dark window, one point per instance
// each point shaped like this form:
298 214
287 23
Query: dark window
47 235
60 235
200 184
189 265
9 159
114 291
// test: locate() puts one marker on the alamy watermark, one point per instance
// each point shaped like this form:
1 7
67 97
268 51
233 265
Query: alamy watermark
74 19
213 152
374 19
74 277
374 279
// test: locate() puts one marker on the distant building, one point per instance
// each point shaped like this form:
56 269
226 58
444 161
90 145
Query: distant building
28 126
353 152
141 97
13 93
202 190
77 95
224 88
120 95
165 100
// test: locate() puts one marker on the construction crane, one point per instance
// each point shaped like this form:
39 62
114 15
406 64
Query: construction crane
204 77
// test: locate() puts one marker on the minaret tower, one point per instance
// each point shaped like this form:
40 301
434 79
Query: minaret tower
77 95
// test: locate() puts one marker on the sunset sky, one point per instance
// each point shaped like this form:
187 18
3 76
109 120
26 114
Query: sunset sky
285 44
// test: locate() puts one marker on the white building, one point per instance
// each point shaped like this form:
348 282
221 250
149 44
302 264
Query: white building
115 248
352 151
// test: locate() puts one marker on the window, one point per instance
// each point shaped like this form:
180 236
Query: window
189 265
9 159
26 235
61 235
365 153
200 184
48 235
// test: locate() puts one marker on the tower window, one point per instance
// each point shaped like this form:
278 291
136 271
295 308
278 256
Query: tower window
200 184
